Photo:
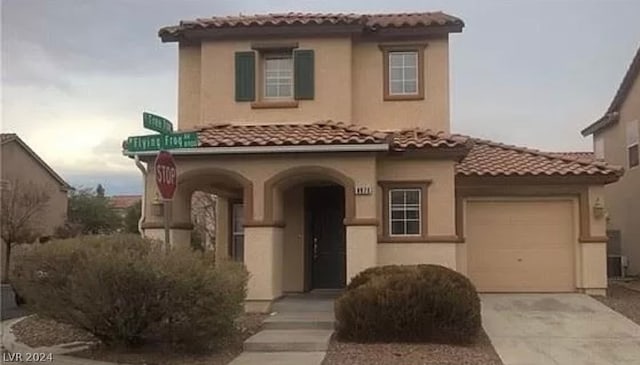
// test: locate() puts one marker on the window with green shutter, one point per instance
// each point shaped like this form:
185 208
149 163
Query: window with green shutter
303 65
245 76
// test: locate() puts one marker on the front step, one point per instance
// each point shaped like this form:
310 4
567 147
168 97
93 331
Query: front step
296 340
300 320
279 358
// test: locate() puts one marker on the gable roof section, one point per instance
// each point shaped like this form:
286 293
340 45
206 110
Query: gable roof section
9 137
354 22
488 158
612 114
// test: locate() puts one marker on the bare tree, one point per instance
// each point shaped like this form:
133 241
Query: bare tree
22 204
203 214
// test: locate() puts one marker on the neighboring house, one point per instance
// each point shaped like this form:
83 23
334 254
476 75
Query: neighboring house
616 137
21 165
326 139
120 203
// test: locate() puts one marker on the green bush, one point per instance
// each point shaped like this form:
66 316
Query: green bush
126 291
412 303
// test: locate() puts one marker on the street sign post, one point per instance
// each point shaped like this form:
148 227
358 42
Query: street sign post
166 175
156 123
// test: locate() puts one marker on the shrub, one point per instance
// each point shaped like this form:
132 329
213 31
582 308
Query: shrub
412 303
126 291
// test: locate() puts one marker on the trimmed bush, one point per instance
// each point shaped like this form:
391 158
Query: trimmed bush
126 291
411 303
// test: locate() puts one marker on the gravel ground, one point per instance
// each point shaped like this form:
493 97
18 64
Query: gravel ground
249 324
624 299
480 353
36 331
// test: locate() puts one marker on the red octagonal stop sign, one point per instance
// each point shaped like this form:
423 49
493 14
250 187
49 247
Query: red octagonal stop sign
166 174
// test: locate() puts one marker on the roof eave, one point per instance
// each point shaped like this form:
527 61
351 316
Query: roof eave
606 121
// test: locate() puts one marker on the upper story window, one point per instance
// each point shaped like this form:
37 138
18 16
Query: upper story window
278 76
633 142
403 71
285 74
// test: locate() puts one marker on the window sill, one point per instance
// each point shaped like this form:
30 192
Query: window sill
274 104
403 97
420 239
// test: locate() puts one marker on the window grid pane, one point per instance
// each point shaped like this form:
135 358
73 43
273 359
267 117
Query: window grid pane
278 77
403 73
404 212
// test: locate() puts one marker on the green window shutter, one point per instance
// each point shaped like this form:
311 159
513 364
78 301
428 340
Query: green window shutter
303 74
245 76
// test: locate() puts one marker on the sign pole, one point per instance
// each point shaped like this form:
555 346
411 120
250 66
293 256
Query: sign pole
167 230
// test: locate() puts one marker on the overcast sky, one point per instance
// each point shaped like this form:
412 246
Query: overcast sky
77 74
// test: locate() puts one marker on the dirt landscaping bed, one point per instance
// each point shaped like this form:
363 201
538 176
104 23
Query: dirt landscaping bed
480 353
624 298
35 331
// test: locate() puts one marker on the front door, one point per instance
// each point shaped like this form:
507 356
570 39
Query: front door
324 208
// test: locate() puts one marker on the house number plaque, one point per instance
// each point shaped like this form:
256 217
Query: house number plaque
363 190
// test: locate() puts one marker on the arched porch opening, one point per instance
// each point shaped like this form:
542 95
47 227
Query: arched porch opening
312 204
215 203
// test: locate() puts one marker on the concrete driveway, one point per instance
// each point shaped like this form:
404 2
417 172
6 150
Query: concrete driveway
558 329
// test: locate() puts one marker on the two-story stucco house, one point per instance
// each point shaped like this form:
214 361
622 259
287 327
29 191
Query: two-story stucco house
21 165
616 137
327 140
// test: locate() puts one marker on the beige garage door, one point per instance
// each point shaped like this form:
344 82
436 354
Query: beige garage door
521 246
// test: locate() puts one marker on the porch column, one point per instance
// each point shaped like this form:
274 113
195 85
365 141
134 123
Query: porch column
362 230
263 259
222 229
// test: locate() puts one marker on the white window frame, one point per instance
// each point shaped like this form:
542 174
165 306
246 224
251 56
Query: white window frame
403 80
418 208
236 233
265 78
633 140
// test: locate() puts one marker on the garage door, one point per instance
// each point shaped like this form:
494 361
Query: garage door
521 246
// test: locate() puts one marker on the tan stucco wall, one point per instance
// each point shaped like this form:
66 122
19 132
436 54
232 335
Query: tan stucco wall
370 109
361 249
440 193
623 197
293 262
348 87
222 229
19 165
417 253
263 258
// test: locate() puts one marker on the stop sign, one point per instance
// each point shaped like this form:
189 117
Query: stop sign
166 174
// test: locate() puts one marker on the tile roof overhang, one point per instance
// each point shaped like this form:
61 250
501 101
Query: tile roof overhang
488 159
611 116
219 27
476 158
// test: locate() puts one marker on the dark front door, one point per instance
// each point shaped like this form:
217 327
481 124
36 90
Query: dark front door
325 236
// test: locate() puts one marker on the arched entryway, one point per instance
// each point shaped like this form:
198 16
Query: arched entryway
313 204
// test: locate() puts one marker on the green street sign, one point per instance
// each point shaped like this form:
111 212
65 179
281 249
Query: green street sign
156 123
157 142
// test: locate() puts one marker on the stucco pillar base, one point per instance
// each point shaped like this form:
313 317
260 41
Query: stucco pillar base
258 306
263 259
362 250
595 291
178 237
594 266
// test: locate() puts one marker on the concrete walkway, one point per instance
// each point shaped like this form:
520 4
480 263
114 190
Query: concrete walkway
558 329
298 332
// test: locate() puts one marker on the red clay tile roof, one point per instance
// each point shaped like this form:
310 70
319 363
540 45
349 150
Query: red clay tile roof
320 133
488 158
123 201
579 154
364 21
416 138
